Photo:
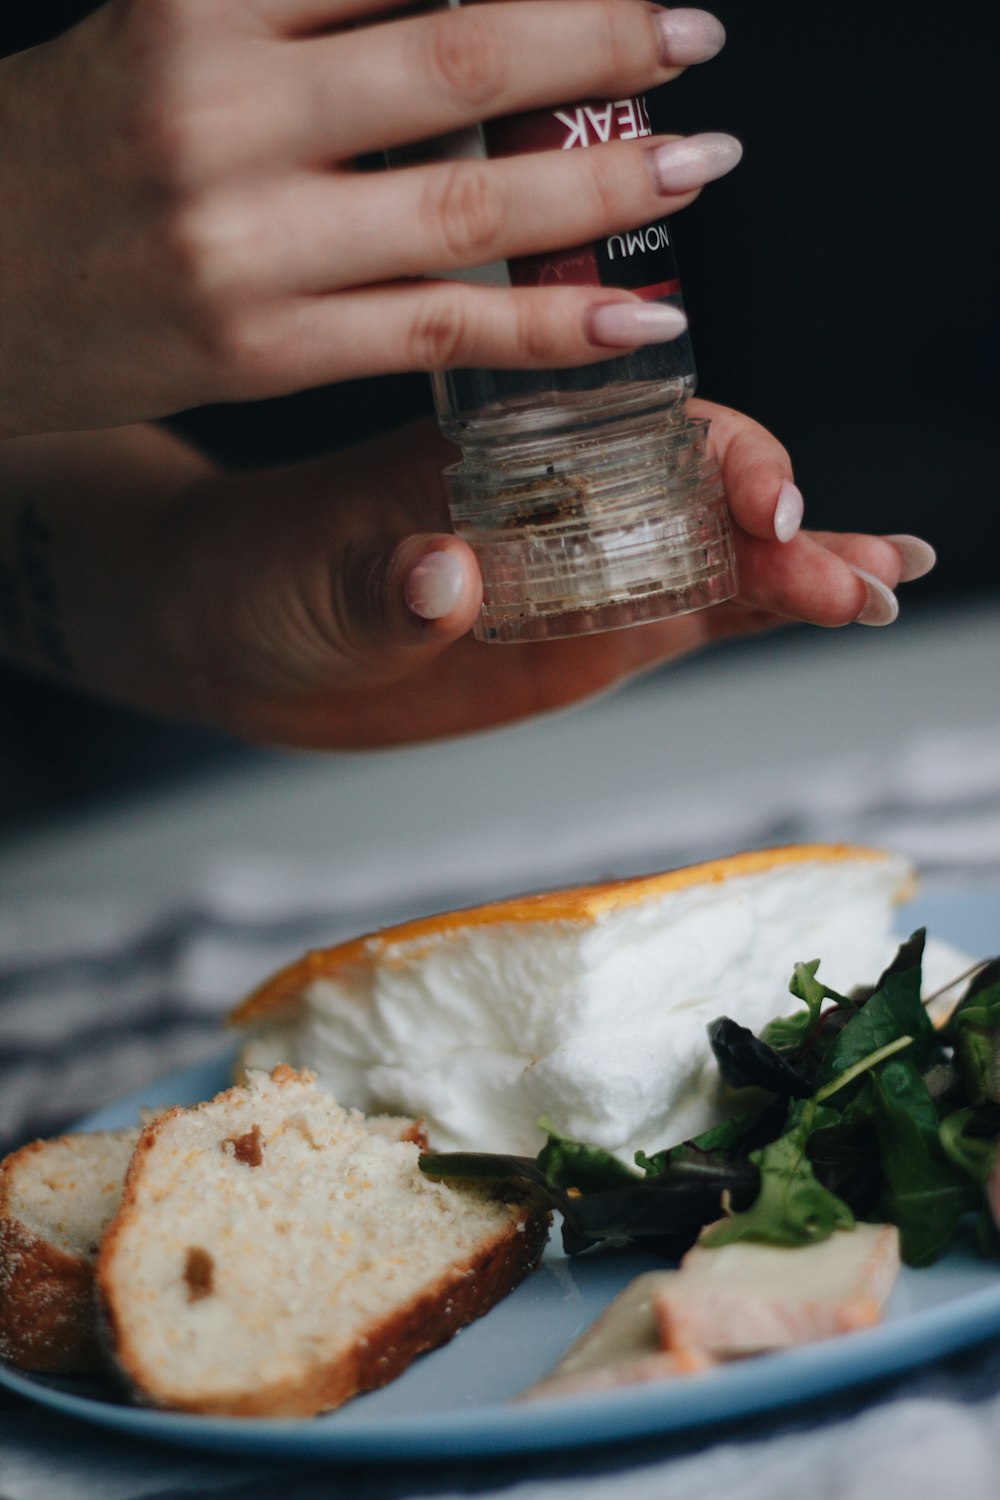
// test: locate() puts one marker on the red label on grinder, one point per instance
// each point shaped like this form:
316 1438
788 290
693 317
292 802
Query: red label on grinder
640 260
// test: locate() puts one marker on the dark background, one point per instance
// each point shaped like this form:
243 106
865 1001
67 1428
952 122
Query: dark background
841 286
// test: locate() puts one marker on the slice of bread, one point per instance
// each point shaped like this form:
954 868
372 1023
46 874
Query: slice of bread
56 1199
273 1256
588 1006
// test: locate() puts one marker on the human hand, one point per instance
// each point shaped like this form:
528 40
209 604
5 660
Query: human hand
327 605
183 223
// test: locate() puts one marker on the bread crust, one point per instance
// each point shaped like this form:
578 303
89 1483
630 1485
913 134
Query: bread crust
46 1295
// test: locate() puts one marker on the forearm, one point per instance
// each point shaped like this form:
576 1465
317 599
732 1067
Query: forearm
84 526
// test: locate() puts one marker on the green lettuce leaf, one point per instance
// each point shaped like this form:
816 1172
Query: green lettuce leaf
895 1009
923 1192
792 1207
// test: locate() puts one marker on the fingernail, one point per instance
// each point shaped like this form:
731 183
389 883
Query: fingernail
680 166
688 36
623 325
881 605
918 556
434 586
788 511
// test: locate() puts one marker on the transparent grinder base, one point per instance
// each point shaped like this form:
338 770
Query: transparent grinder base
578 533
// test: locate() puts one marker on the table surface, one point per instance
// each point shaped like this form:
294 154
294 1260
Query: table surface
127 931
692 755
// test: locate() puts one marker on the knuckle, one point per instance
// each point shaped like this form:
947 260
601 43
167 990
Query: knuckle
240 352
230 344
759 454
438 334
614 188
465 55
536 336
624 48
204 241
467 211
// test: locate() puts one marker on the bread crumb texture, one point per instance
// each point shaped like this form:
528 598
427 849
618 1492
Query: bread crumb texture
275 1255
56 1199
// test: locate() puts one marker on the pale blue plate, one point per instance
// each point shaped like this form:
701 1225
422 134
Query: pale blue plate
457 1401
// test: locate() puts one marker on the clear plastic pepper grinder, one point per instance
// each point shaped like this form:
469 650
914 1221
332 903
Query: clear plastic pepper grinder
592 501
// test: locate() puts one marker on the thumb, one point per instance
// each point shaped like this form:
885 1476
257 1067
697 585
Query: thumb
424 593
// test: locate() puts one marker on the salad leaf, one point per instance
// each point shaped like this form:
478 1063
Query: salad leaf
977 1056
664 1211
985 979
796 1033
975 1032
485 1165
970 1142
894 1009
744 1061
909 955
570 1164
792 1207
923 1192
731 1140
863 1065
845 1159
718 1142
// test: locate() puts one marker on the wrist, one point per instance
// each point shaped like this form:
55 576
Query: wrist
84 549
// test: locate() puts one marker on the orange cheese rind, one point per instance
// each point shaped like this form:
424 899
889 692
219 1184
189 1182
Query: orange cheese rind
582 904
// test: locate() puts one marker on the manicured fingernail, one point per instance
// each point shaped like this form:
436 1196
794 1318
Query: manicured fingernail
881 605
623 325
688 36
680 166
434 586
788 511
918 556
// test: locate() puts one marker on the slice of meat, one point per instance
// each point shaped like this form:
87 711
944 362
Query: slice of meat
747 1298
621 1348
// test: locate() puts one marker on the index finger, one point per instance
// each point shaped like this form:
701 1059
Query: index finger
421 77
692 35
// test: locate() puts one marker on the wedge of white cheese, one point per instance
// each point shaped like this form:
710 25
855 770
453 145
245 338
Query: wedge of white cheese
587 1005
